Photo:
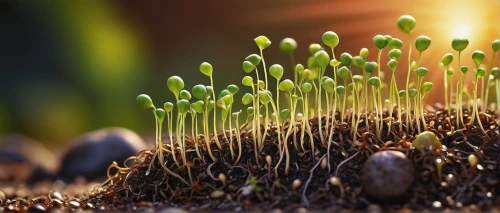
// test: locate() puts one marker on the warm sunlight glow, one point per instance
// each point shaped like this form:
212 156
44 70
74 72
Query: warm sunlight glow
461 31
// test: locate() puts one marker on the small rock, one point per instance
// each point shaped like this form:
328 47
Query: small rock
19 162
37 208
387 175
91 154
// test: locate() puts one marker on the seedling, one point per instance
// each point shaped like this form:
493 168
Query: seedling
459 44
448 87
406 23
495 46
480 72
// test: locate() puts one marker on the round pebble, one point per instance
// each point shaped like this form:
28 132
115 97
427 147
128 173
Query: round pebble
387 175
90 154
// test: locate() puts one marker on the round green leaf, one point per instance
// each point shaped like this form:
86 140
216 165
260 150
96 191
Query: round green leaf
392 64
200 92
247 81
175 84
406 23
345 59
370 67
478 57
395 43
401 93
261 84
168 106
248 67
144 101
299 68
374 81
223 93
364 53
233 89
276 71
480 72
183 106
286 86
247 99
380 41
334 63
250 111
412 92
358 61
265 96
285 114
328 85
459 44
394 54
422 43
340 90
322 58
357 78
495 45
343 72
330 39
447 59
206 69
422 71
464 69
254 59
288 45
184 94
198 106
160 113
306 87
450 72
262 42
426 87
494 72
313 48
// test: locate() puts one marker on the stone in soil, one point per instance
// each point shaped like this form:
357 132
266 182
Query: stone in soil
90 154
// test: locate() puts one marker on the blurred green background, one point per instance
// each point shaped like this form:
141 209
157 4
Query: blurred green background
68 67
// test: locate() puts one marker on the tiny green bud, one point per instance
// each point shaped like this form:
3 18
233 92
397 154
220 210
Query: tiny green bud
144 101
357 78
447 59
206 69
364 53
276 71
322 58
422 43
394 54
395 43
459 44
286 86
374 81
261 84
184 94
168 106
422 71
380 41
478 57
200 92
265 96
175 84
328 85
450 72
392 64
413 65
250 111
464 69
160 113
426 87
334 63
473 160
412 92
358 61
247 99
248 67
330 39
285 114
183 106
370 67
247 81
306 87
340 90
223 93
345 59
254 59
406 23
288 45
210 90
299 68
480 72
343 72
402 93
198 106
313 48
495 45
494 72
388 38
233 89
262 42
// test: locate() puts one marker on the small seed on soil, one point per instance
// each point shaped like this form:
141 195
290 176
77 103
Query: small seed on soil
296 184
55 195
37 208
217 194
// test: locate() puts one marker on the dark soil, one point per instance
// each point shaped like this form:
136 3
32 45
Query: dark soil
254 186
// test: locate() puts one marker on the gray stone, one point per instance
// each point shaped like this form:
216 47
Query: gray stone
90 154
24 159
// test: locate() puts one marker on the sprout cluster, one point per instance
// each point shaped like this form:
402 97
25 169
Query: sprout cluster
326 97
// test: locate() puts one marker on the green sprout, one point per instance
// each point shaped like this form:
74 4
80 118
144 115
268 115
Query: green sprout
459 44
448 87
207 70
421 73
322 59
288 46
406 24
480 73
495 46
377 101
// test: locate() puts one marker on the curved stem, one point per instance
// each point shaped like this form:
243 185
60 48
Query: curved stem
408 83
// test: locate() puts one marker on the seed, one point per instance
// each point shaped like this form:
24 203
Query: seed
222 178
335 181
296 184
324 163
217 194
37 208
55 195
436 204
74 204
269 160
